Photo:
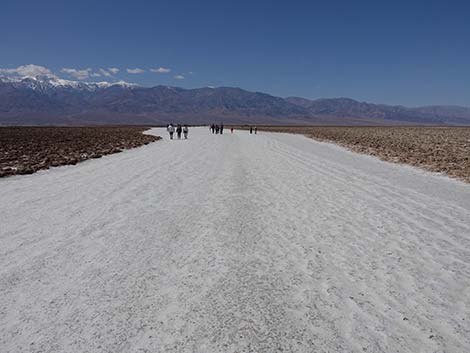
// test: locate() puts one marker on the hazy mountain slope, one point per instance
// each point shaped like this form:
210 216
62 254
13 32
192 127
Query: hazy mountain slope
448 111
346 107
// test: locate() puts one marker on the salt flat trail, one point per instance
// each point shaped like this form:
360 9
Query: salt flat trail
234 243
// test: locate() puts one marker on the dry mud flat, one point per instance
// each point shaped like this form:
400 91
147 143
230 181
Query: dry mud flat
438 149
25 150
235 243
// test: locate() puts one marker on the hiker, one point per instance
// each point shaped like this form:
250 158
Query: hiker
256 130
251 129
231 130
212 128
221 129
171 130
217 129
178 131
185 132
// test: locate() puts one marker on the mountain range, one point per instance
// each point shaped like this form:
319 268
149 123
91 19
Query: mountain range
53 101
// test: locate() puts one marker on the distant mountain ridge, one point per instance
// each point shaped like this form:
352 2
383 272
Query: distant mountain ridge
53 101
349 108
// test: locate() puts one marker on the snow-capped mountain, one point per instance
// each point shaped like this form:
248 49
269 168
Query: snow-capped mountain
49 100
45 83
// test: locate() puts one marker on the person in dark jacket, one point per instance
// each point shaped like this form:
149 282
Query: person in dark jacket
221 129
251 129
217 129
179 129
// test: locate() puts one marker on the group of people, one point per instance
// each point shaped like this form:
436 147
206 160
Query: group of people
214 128
179 129
218 129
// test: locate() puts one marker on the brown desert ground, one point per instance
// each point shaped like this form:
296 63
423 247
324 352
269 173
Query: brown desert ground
25 150
438 149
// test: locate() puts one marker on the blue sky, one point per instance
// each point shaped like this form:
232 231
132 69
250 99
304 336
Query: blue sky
397 52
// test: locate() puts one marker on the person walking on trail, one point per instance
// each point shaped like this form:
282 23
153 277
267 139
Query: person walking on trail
221 129
179 129
212 128
171 130
231 130
251 129
256 130
185 132
216 129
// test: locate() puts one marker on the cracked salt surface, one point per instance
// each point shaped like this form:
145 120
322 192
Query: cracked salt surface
234 243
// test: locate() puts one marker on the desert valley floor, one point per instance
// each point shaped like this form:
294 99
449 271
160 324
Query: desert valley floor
234 243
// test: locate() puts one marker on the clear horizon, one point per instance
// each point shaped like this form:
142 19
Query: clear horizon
400 53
